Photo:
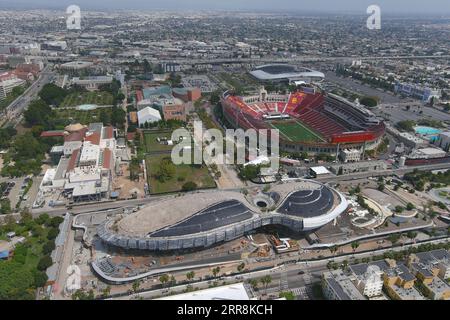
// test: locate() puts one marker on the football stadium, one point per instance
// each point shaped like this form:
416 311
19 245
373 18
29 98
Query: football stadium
308 120
214 217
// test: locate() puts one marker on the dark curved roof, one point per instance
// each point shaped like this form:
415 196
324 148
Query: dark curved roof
308 203
219 215
277 68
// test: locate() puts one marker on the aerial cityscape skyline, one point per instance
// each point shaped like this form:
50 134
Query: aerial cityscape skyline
402 7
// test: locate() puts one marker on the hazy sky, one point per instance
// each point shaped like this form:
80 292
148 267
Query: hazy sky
350 6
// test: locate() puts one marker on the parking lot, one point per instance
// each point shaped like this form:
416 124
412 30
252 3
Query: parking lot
15 188
356 86
395 113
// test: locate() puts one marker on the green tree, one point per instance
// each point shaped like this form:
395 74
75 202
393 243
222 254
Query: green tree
266 280
40 279
166 170
44 263
48 247
288 295
38 113
241 267
190 275
369 101
5 206
52 94
334 249
52 233
136 285
189 186
106 292
164 279
355 245
411 235
254 283
105 117
215 271
249 172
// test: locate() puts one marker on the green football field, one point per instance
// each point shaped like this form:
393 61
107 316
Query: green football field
295 131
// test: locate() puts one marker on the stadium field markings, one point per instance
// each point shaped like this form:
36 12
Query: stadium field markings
301 133
307 129
281 131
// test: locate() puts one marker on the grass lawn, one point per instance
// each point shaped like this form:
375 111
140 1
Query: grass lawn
100 98
83 117
183 174
295 131
152 145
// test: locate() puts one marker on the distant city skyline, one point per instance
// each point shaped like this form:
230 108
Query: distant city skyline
405 7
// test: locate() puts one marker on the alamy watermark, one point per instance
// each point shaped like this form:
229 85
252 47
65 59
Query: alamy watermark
73 21
238 143
73 282
374 20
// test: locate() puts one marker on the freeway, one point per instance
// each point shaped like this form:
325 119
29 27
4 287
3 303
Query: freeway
17 107
299 59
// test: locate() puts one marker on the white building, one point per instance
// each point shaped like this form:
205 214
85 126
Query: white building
443 141
7 86
149 115
235 291
338 286
86 168
92 83
370 284
350 155
427 153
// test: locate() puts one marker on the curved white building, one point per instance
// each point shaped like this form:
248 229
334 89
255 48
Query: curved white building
218 216
286 73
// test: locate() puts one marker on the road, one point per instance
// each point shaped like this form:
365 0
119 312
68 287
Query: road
15 110
301 59
296 277
100 206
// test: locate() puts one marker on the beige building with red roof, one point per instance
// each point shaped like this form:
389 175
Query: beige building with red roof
86 169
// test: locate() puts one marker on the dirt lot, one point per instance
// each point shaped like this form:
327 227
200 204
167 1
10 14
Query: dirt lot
125 186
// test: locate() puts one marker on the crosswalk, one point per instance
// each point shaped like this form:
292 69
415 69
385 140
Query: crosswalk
302 293
284 284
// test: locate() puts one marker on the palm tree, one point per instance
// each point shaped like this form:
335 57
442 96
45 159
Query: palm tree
334 249
136 285
164 279
241 267
355 245
215 271
266 280
190 275
253 283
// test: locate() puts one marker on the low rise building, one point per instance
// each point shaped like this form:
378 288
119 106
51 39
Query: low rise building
86 166
337 286
350 155
148 115
92 83
422 93
368 278
362 166
174 112
399 283
7 86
